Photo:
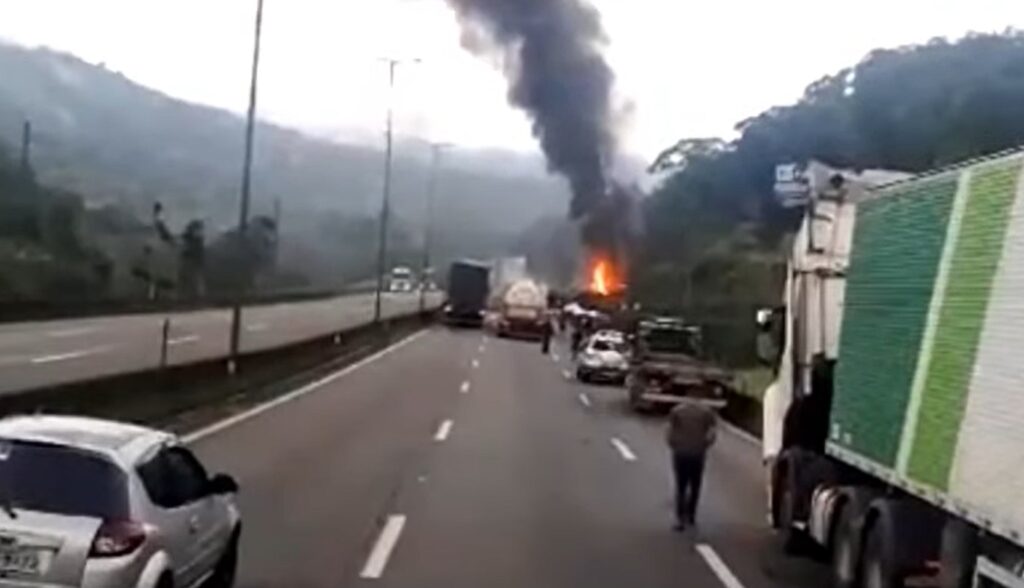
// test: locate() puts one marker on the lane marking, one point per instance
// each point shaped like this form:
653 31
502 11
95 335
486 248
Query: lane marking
480 349
567 374
624 450
476 363
464 388
182 340
386 542
725 575
554 357
585 400
255 328
443 431
261 408
72 332
70 355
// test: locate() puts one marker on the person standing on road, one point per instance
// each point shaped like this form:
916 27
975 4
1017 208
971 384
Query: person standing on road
545 336
691 432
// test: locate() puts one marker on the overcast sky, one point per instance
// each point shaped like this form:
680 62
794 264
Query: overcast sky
690 68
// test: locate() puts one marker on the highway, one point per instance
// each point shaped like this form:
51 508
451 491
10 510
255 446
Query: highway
457 460
45 353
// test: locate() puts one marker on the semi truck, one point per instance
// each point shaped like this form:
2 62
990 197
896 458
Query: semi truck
468 286
894 428
523 309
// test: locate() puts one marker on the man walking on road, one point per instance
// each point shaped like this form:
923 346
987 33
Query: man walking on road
691 432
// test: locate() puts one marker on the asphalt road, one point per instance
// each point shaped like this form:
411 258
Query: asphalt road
38 354
456 460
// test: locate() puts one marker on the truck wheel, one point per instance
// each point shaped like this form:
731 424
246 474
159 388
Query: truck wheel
958 552
581 375
878 570
845 539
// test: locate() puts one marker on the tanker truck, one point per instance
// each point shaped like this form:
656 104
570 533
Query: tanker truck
894 428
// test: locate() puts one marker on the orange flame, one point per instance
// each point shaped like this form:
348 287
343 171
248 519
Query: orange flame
600 278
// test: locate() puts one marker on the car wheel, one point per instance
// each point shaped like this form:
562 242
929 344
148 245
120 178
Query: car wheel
166 581
581 375
224 574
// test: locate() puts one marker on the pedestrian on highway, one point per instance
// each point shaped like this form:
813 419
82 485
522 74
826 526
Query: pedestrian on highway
545 336
691 432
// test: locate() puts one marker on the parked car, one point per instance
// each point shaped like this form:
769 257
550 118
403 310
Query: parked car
94 503
603 357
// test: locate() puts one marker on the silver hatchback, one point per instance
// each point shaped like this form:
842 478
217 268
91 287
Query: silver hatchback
93 503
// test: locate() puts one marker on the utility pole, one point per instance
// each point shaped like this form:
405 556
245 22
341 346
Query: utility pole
436 150
243 210
26 149
385 207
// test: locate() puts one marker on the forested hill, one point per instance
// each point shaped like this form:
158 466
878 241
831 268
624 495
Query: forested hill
716 237
101 135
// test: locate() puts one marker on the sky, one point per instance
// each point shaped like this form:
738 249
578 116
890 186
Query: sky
685 68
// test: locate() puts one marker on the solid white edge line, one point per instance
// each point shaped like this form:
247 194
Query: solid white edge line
584 400
69 355
381 553
725 575
464 388
624 450
745 436
443 431
260 409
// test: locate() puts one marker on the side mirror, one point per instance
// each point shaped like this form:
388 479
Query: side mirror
222 484
770 325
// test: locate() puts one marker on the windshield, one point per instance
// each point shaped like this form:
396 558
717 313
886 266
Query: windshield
676 341
608 345
61 480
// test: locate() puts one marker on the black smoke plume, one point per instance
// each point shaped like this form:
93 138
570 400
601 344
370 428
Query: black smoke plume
557 74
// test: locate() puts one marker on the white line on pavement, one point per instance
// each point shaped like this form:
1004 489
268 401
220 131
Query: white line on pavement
584 400
257 410
464 388
480 349
476 363
748 437
443 431
567 374
718 566
624 450
554 357
60 333
69 355
256 327
183 340
386 542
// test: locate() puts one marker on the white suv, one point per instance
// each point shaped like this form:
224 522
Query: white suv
92 503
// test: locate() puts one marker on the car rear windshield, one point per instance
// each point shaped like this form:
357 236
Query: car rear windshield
61 480
606 345
671 341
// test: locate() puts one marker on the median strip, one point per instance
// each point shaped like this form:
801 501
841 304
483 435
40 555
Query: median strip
381 553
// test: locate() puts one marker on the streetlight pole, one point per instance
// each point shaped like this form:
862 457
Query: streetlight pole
243 210
428 229
385 208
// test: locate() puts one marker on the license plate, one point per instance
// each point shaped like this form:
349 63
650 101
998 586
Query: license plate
20 561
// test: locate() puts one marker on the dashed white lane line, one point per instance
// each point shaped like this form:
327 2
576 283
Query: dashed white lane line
480 349
443 431
584 400
297 393
567 374
464 388
255 328
554 357
183 340
725 575
624 450
74 332
381 553
69 355
476 363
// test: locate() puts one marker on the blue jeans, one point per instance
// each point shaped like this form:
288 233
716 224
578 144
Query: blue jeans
689 473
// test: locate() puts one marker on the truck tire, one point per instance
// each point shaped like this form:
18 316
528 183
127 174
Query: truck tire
957 554
878 567
796 474
845 545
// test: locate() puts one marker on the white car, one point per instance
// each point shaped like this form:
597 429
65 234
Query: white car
94 503
603 357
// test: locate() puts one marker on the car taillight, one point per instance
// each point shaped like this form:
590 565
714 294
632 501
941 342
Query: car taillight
116 538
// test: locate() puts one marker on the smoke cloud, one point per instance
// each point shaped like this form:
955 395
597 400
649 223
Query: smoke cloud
551 52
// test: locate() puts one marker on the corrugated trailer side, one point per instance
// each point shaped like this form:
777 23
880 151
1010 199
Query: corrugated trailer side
929 384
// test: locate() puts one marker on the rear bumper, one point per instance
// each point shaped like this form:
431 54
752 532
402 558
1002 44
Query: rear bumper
603 374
